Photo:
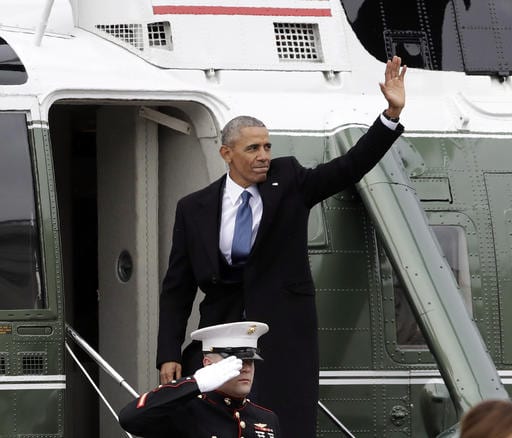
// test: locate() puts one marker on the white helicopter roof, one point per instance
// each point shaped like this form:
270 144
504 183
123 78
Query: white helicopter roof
26 15
217 57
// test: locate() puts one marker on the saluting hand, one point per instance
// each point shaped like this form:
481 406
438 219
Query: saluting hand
393 86
215 375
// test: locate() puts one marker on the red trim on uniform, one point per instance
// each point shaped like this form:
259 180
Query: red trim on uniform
238 10
258 406
209 400
237 419
142 400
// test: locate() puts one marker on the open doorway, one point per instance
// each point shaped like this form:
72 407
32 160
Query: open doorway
119 176
73 138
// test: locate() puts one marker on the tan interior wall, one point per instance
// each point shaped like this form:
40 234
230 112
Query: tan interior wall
143 169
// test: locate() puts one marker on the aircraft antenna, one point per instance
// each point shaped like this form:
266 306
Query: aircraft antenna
41 27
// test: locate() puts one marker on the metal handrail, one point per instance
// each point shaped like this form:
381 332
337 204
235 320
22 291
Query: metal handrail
100 361
103 364
346 432
96 388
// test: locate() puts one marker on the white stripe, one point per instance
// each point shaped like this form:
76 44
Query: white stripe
381 373
334 131
34 378
425 381
39 125
457 135
25 386
384 381
394 381
391 377
392 373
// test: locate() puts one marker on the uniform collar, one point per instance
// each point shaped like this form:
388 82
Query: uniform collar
233 190
229 402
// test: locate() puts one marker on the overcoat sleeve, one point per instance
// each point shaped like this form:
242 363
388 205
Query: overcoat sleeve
179 289
154 412
334 176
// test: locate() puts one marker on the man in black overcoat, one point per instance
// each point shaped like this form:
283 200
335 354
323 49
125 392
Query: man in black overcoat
273 284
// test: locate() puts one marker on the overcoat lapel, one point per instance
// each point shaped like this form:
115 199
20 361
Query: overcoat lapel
270 192
207 220
207 217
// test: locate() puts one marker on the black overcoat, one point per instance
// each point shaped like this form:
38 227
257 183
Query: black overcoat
278 286
179 410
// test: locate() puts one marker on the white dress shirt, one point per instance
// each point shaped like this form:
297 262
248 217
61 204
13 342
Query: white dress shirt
388 123
231 200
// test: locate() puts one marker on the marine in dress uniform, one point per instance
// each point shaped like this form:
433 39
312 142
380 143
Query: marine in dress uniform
212 402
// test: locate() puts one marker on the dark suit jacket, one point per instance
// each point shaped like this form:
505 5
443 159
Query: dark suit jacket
278 286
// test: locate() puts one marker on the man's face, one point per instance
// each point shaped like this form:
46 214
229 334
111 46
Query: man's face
249 157
239 386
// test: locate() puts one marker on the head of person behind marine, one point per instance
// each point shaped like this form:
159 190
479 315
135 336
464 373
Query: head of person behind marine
238 339
246 150
488 419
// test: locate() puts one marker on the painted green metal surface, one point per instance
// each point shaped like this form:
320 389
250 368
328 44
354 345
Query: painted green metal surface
358 246
32 380
447 186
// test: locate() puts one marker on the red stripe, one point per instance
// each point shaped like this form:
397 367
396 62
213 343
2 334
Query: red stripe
235 10
142 400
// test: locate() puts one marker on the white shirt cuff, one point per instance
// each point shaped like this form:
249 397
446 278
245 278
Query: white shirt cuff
388 123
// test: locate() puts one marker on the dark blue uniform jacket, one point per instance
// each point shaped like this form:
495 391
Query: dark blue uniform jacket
179 410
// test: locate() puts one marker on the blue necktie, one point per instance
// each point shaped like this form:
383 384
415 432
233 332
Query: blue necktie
242 236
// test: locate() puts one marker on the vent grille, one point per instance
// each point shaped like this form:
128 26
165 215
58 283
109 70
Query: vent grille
3 365
159 35
33 363
298 41
129 33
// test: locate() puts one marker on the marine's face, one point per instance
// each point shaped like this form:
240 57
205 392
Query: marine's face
239 386
249 157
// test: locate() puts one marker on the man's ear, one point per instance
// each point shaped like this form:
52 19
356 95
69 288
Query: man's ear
206 361
225 153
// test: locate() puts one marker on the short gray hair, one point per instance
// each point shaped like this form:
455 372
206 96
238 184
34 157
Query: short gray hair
232 129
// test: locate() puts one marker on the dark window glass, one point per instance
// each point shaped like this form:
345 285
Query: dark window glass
451 35
452 241
12 71
20 281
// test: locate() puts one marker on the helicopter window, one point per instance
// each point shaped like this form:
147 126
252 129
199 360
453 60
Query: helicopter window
12 70
452 241
20 286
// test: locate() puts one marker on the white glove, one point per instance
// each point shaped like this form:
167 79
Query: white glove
212 376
